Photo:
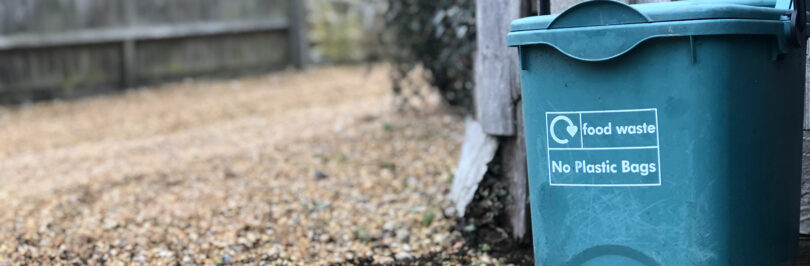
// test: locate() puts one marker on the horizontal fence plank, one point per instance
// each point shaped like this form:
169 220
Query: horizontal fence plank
54 16
161 60
108 35
72 48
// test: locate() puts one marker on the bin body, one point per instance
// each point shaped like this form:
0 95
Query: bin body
681 150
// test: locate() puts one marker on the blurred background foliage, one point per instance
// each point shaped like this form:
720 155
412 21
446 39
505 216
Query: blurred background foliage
345 31
424 41
435 38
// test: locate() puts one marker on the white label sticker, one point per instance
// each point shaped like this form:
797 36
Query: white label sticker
607 148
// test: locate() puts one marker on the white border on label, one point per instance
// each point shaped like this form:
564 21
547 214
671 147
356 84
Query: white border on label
581 143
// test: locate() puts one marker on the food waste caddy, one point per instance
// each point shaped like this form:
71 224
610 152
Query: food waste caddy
664 134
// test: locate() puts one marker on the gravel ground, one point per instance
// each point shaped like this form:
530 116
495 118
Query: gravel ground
293 167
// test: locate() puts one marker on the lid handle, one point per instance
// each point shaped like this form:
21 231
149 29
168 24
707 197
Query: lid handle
597 13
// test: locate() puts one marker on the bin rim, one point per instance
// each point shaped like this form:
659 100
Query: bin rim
601 30
609 12
569 41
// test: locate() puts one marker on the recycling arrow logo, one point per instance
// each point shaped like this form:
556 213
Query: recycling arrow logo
571 128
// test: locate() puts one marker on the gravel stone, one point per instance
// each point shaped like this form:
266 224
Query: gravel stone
403 234
403 256
197 169
450 211
389 226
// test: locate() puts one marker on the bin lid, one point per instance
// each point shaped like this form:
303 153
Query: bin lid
612 28
601 13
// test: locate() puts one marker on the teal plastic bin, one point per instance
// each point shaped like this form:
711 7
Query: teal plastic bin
663 134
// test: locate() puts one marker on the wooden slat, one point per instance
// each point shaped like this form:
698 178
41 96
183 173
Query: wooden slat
513 154
138 33
128 70
496 67
803 257
807 92
497 91
804 209
299 44
804 218
128 49
477 151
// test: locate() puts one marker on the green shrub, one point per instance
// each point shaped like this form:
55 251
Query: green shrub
439 36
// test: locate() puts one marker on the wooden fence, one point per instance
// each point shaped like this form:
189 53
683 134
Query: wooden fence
69 48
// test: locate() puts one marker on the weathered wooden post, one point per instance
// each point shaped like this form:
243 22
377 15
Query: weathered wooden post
128 48
804 224
497 98
299 45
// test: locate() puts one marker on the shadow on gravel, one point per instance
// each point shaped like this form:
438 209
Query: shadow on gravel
500 250
483 241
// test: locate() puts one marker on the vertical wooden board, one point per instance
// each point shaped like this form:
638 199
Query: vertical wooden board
496 66
497 93
128 63
128 48
477 151
515 172
807 90
804 220
299 44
